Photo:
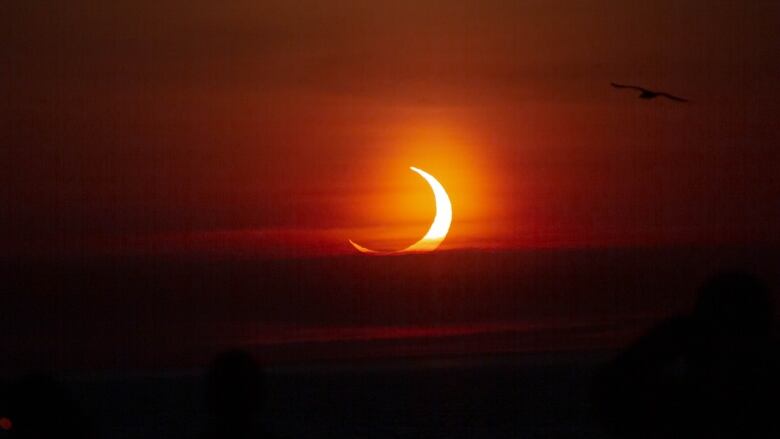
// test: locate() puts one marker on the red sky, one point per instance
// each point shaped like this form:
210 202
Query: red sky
288 127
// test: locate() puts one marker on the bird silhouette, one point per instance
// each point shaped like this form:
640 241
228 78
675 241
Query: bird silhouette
649 94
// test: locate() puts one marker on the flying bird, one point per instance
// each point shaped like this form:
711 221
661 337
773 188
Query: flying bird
649 94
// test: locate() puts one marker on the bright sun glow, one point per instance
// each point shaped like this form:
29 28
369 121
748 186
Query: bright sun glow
439 228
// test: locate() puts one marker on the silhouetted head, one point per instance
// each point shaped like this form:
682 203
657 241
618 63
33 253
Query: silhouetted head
735 301
37 406
704 375
734 308
234 387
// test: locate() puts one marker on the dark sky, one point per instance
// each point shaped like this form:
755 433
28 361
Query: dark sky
288 127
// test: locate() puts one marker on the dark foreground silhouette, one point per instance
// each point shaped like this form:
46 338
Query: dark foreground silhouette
234 395
712 373
36 406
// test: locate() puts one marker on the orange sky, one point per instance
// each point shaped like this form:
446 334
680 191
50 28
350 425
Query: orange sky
289 127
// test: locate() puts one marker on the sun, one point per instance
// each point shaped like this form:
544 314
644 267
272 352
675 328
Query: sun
439 228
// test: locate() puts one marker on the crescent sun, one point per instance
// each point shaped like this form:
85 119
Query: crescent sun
439 228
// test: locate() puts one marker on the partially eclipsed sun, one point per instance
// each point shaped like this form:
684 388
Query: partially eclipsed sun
439 228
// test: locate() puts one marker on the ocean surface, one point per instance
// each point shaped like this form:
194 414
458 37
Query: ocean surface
456 344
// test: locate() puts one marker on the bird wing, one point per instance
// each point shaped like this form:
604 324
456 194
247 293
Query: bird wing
634 87
674 98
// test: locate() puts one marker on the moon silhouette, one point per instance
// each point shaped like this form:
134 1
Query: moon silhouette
439 228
